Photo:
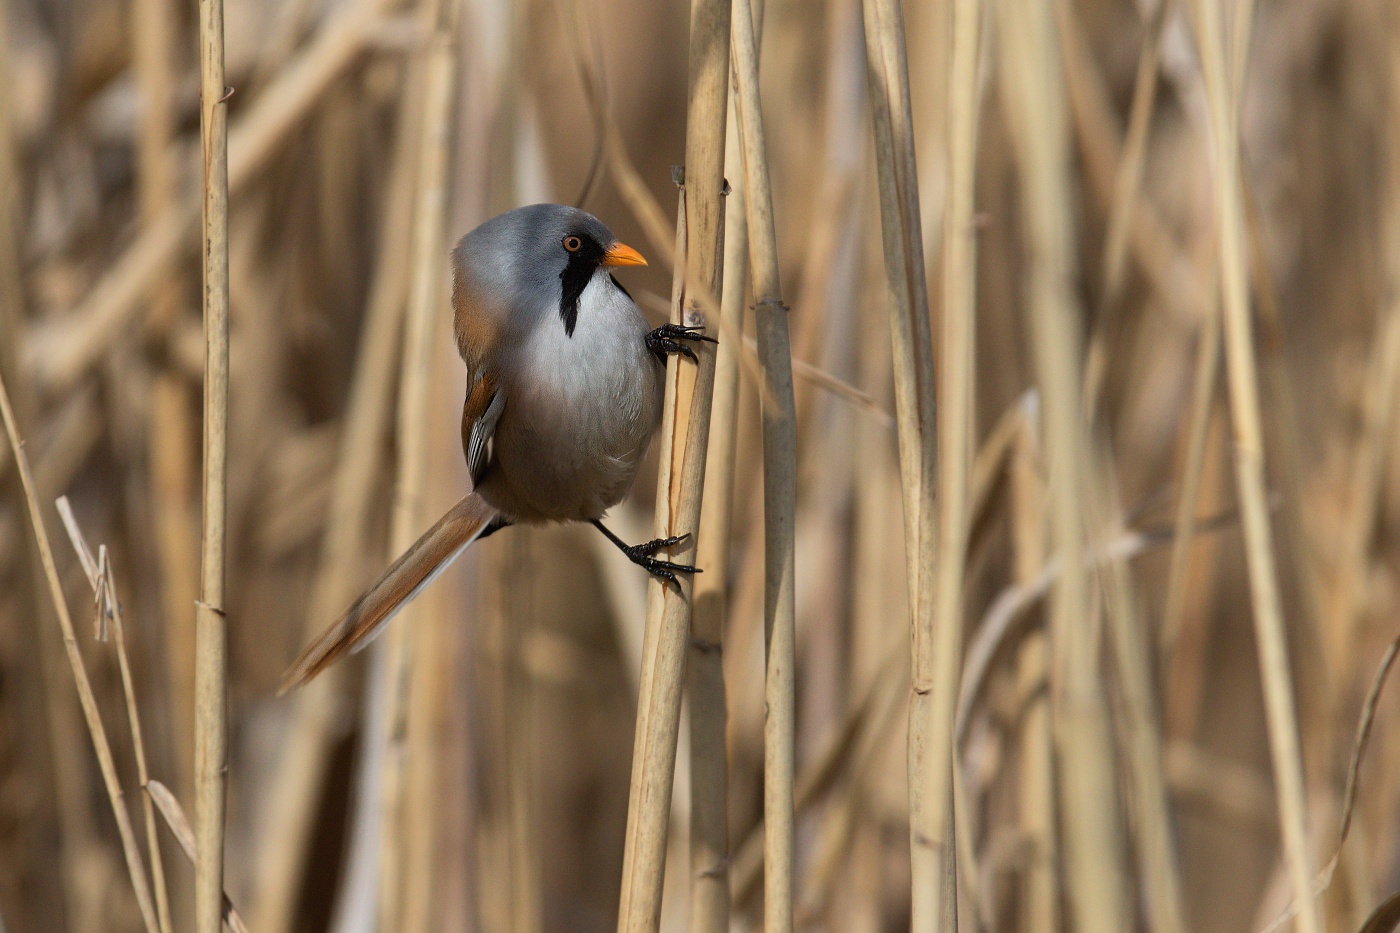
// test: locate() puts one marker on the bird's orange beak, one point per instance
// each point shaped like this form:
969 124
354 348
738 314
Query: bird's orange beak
620 254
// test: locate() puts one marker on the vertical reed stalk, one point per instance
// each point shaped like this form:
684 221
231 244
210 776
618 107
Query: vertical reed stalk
1140 733
425 310
1096 883
956 436
282 853
130 847
705 690
1126 189
1249 463
170 438
679 491
1036 763
1193 469
11 271
1378 412
779 487
211 631
901 233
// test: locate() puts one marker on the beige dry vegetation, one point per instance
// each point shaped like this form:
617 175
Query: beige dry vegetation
1051 534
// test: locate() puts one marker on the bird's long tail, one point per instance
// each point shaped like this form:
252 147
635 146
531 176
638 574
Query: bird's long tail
406 577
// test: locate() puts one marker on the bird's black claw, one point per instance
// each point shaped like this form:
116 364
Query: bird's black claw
641 555
666 340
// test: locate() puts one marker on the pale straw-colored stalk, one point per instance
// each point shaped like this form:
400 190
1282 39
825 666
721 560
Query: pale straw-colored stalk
779 488
901 233
1243 382
1096 882
426 308
956 443
284 847
680 485
109 609
1039 879
211 629
130 847
705 688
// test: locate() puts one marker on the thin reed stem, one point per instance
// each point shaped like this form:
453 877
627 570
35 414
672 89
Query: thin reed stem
211 629
1280 712
933 903
109 609
1203 386
285 846
705 688
956 444
130 847
779 488
422 328
679 490
1088 792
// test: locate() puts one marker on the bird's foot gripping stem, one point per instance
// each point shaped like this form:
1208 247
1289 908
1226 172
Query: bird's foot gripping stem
642 555
670 339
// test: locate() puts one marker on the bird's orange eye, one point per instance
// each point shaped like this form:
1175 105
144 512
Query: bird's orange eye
573 244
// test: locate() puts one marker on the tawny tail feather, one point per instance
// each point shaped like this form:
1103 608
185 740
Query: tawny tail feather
415 569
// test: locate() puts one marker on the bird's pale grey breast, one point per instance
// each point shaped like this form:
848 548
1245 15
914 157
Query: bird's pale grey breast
581 392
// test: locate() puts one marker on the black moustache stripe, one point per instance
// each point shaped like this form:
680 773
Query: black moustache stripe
575 278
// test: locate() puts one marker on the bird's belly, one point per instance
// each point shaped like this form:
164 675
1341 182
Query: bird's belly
572 435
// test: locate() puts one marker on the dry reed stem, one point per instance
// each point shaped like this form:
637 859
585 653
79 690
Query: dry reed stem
662 658
1140 737
284 847
1193 468
62 353
171 454
422 328
1373 447
1039 882
779 488
174 816
705 689
1275 673
109 609
130 847
211 630
1126 192
678 491
1359 743
1095 880
901 233
956 443
872 713
12 301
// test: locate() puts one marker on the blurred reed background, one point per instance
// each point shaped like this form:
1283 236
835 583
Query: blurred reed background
1128 284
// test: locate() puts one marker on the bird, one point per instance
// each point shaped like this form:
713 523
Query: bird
565 378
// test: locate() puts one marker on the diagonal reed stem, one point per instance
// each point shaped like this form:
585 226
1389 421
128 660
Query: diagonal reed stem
130 847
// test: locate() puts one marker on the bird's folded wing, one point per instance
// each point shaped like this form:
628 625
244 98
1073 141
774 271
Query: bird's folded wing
406 577
480 412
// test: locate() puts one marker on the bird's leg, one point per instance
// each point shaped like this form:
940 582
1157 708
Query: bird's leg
641 554
669 338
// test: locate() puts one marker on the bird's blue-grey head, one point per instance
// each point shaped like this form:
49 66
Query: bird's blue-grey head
534 259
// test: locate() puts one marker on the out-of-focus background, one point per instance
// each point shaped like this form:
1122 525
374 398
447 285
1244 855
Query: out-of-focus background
524 684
